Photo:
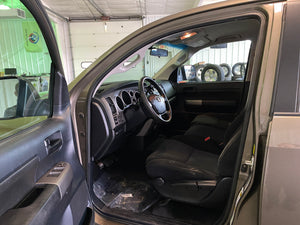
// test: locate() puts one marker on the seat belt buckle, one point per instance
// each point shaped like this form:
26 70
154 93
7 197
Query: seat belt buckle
207 139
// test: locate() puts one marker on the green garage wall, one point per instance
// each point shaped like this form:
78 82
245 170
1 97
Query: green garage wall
13 53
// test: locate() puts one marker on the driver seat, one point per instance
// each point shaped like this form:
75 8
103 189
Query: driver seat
186 174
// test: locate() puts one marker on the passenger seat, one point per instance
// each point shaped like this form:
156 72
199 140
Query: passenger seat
210 138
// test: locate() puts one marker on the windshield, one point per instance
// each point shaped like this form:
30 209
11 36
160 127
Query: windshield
192 55
148 66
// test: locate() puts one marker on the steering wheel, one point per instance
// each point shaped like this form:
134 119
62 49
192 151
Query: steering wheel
154 100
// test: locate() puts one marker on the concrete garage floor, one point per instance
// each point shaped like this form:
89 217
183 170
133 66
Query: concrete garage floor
102 221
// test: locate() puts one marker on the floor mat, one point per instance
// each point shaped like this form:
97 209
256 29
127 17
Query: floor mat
122 193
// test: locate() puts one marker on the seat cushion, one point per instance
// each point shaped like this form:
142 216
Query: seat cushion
210 121
200 143
204 126
174 160
217 134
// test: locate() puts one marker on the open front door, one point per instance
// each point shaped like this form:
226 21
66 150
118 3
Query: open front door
41 178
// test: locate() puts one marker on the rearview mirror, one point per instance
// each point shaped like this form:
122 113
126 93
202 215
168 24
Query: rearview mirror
159 52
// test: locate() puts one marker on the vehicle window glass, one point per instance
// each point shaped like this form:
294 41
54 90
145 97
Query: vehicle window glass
219 63
148 65
24 70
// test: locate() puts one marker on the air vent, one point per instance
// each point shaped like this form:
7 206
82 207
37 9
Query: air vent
111 105
120 103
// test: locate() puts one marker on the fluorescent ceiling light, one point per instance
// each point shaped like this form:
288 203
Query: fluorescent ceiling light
207 2
4 7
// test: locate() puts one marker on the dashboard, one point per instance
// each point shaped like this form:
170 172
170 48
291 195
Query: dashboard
117 114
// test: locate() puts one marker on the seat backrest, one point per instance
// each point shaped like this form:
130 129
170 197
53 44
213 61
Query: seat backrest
233 126
227 159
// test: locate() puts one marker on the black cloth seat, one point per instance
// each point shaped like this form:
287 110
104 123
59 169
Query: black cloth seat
211 121
218 129
175 160
201 132
201 143
210 138
187 174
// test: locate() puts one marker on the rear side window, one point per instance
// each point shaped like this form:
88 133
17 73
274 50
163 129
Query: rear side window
25 66
218 63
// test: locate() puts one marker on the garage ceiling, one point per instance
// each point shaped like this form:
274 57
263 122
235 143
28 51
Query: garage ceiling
118 9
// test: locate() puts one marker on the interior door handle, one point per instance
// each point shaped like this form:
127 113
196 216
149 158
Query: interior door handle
53 143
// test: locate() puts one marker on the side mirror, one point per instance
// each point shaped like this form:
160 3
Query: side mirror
190 72
16 93
159 52
9 94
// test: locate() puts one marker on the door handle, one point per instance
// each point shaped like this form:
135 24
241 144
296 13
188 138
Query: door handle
53 143
53 146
